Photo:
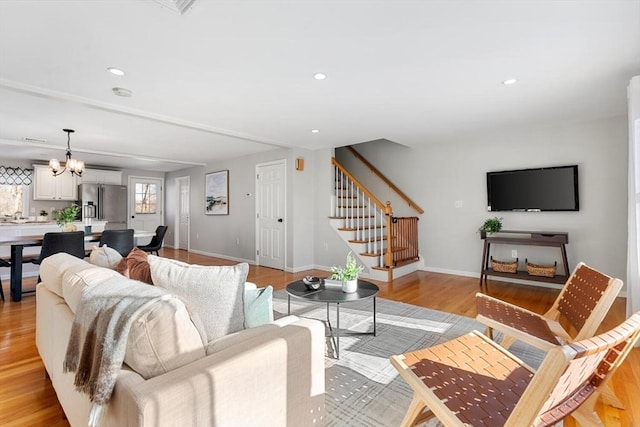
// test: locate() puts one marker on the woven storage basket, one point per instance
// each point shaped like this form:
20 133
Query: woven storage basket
504 266
541 270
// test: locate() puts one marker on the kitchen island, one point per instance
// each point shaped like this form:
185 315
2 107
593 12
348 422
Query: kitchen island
13 228
18 243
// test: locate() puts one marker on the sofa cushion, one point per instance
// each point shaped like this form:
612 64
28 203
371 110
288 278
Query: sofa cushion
104 256
78 277
214 292
54 266
163 338
136 266
248 335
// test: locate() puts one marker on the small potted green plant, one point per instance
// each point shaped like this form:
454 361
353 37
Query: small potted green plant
492 225
43 215
66 216
347 274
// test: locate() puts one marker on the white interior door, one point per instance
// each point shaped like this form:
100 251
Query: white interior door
182 233
271 208
146 210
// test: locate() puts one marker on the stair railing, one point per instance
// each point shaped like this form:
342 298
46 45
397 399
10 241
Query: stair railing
365 214
386 180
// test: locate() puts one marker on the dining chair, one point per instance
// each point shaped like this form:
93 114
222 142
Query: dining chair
120 240
156 241
71 242
471 380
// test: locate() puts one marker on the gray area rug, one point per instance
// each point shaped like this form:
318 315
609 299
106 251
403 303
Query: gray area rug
362 388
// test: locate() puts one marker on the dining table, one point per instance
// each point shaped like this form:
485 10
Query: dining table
18 243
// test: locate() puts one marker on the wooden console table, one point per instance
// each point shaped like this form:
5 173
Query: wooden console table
528 238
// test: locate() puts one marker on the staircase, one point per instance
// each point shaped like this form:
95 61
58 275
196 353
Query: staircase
386 245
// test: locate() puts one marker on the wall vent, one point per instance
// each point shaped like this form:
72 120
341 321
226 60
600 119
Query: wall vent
34 140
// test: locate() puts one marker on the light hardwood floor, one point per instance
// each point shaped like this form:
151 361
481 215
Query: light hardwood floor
27 398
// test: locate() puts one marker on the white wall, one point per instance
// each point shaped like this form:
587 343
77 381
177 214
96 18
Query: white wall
217 234
436 176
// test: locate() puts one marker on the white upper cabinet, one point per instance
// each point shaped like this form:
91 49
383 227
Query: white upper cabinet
98 176
49 187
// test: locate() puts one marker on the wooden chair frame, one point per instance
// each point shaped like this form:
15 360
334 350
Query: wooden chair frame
583 302
471 380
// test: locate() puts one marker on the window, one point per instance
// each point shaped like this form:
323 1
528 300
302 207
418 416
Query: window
146 198
14 190
13 200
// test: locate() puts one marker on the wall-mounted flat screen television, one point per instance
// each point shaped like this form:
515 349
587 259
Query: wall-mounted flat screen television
534 190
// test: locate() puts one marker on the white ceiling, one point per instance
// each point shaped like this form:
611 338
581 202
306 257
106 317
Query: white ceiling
228 78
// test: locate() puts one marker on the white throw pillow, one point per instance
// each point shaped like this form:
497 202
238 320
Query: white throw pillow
215 293
105 256
162 339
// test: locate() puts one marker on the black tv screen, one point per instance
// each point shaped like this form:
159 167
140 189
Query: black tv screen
534 190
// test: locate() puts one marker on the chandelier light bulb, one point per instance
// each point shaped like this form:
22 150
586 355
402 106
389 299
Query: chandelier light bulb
54 165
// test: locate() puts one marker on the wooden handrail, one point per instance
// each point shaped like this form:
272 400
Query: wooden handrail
384 207
386 180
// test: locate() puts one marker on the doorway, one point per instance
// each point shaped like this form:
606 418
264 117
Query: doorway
146 204
270 214
182 221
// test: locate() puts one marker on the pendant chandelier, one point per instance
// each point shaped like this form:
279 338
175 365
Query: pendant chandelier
76 167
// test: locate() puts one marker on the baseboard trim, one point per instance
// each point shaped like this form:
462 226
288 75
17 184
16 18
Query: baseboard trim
622 294
227 257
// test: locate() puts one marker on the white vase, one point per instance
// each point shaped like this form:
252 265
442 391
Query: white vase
69 227
349 286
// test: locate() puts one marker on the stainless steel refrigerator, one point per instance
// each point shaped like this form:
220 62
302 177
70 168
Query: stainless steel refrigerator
103 202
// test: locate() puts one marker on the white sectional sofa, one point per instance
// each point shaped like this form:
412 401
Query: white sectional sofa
269 375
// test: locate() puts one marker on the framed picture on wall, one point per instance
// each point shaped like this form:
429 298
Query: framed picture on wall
216 193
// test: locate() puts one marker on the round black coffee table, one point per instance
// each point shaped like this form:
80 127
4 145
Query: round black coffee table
332 294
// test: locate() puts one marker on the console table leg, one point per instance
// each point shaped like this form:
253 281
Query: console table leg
565 262
484 266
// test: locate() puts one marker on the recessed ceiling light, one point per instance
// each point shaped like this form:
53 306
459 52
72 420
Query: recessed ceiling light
120 91
509 82
319 76
314 131
116 71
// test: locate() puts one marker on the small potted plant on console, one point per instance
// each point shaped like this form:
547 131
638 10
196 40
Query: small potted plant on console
492 225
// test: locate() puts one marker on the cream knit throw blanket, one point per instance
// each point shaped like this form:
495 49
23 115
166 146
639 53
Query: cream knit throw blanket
98 338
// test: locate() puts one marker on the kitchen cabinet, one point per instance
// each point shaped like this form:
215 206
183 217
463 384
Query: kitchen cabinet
99 176
49 187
